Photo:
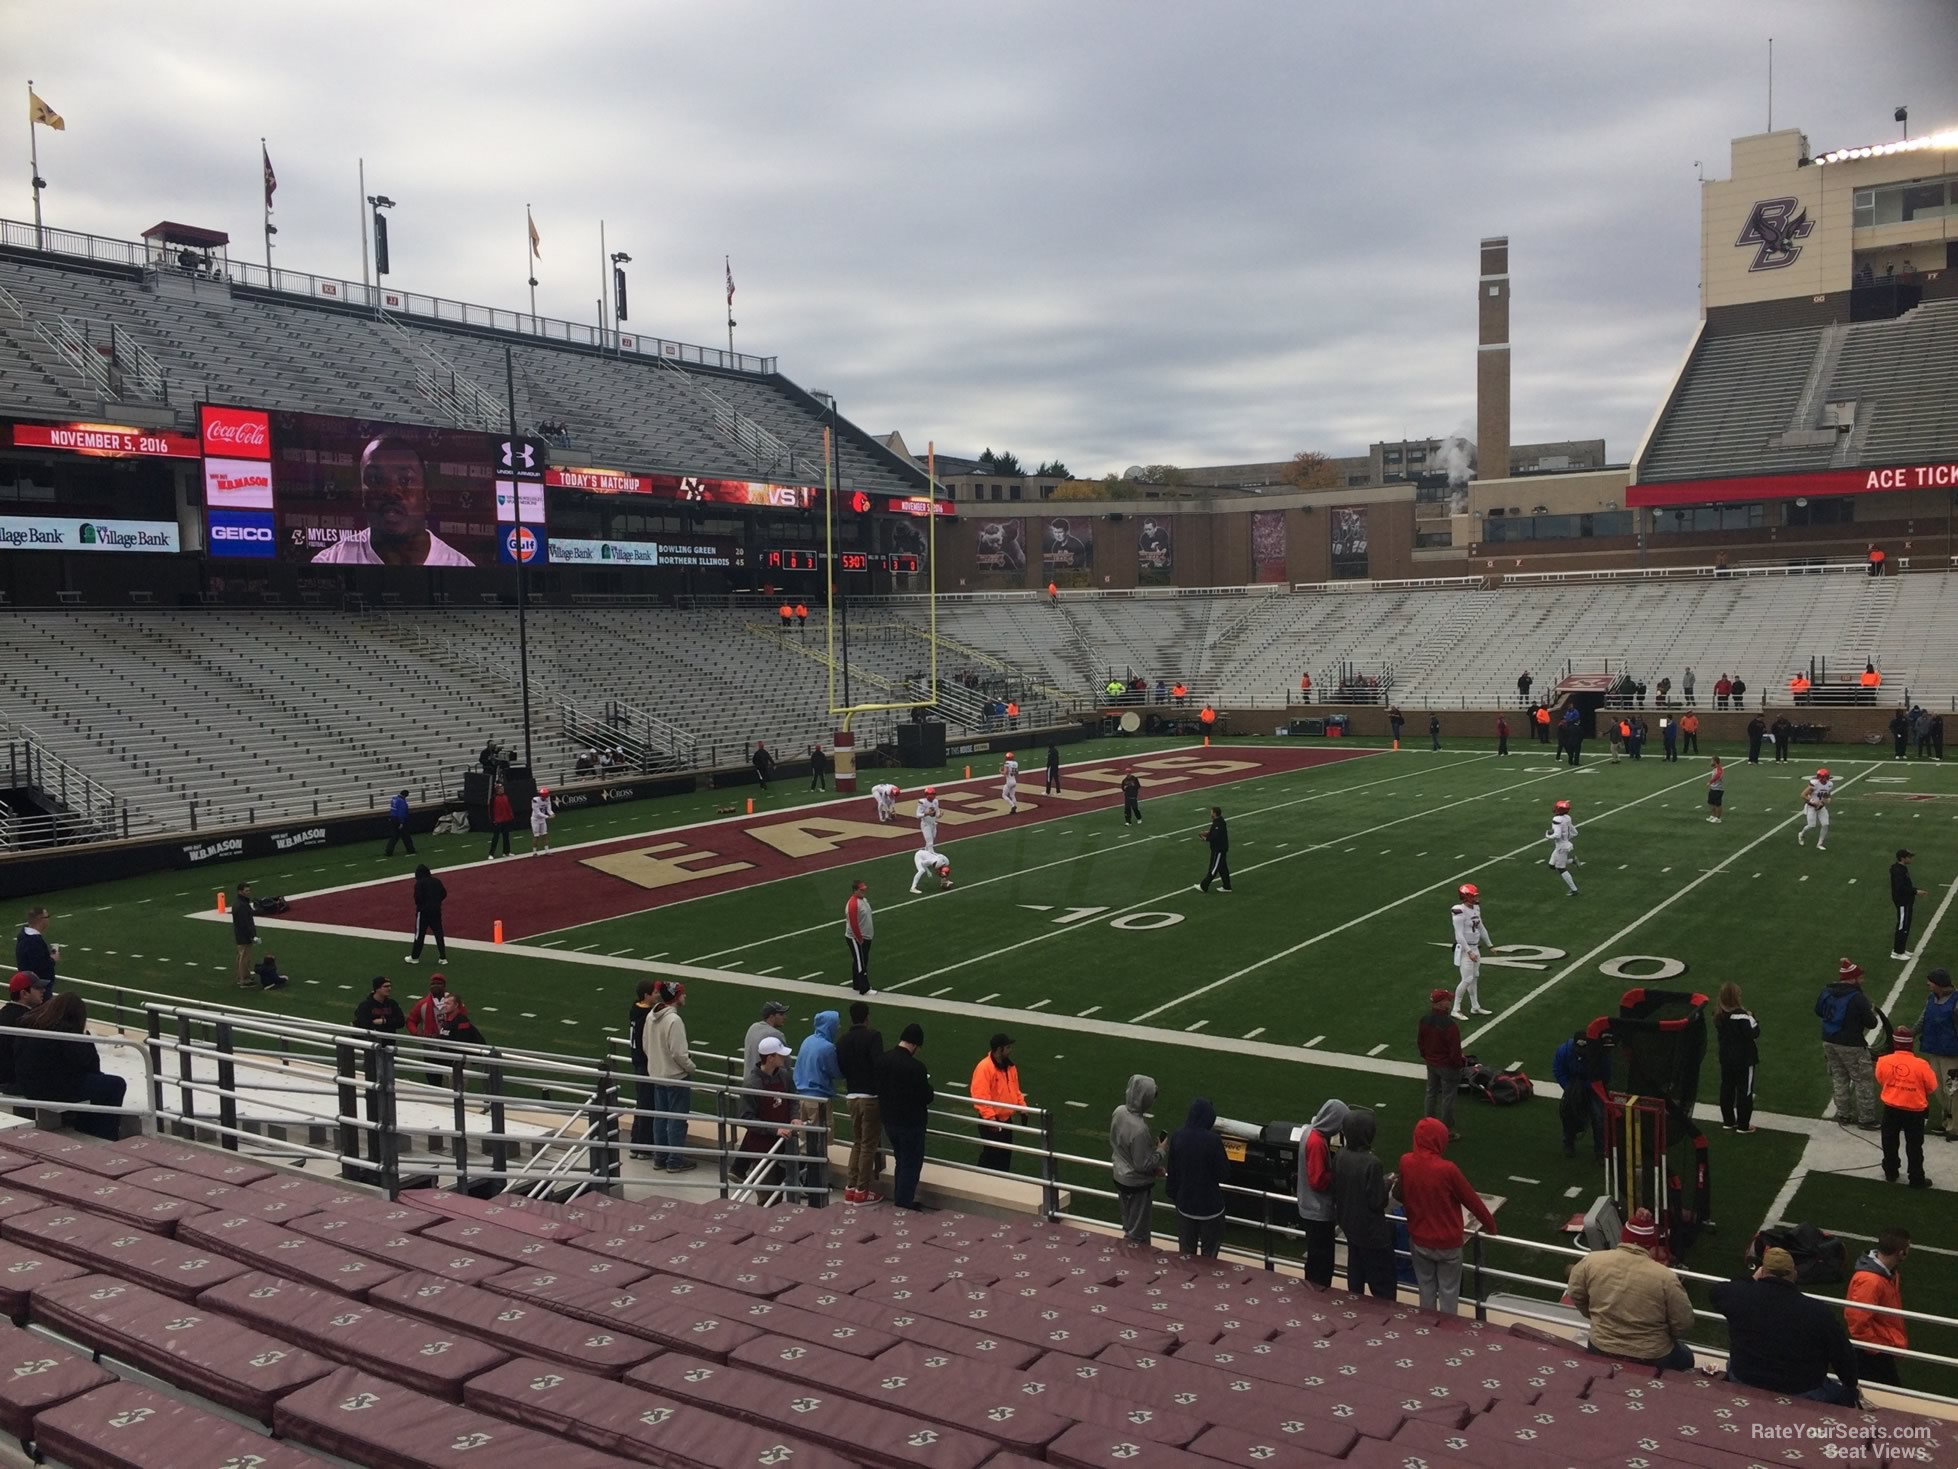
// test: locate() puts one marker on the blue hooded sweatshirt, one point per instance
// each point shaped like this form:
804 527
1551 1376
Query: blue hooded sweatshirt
816 1071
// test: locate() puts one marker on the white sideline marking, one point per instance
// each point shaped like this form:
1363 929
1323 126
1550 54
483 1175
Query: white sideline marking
1389 907
618 953
1573 1191
1519 1178
1646 917
1251 1035
1313 1042
1037 1004
771 969
1378 1049
1199 1025
1092 1009
946 991
1077 1104
986 999
812 974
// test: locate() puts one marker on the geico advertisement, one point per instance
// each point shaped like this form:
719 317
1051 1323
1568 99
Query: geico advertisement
41 533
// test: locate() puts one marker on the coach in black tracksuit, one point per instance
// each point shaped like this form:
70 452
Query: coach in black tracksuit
1131 797
1053 768
1903 897
1219 838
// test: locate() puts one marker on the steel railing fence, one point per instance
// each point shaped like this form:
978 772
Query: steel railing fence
397 1110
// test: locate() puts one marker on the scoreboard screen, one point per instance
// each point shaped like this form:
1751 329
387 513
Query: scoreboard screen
790 560
904 563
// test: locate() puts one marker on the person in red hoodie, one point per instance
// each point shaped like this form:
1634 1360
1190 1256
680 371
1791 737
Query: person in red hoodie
1434 1193
1440 1041
502 818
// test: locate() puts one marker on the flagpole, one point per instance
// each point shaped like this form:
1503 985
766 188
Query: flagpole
604 288
366 283
529 268
34 153
728 265
264 161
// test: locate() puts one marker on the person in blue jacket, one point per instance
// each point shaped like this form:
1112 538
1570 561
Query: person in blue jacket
816 1074
33 953
1937 1040
398 825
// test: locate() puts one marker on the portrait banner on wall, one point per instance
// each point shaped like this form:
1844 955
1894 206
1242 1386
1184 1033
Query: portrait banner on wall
1001 555
1348 525
1268 545
1155 551
1067 550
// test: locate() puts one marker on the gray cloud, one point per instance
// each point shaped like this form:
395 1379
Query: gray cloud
1114 233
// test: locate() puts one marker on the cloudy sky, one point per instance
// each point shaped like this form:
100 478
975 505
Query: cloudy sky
1189 232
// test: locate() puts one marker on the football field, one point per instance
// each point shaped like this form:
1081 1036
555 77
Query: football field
1089 942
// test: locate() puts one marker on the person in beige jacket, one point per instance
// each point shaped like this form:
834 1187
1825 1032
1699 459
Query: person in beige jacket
1636 1306
669 1066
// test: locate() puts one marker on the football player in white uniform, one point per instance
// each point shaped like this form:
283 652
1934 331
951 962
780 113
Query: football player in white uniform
928 861
928 817
1815 807
1470 939
885 796
1009 791
542 809
1562 836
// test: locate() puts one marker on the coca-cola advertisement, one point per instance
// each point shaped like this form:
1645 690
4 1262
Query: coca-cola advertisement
235 433
357 492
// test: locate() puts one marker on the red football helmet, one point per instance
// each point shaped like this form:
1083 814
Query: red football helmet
1469 892
931 790
1822 774
1562 808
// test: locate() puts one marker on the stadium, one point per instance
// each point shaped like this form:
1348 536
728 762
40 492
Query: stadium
285 548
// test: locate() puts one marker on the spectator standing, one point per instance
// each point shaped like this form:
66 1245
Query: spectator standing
1716 790
1756 729
1523 683
1197 1166
1782 1341
244 934
1847 1017
1360 1190
1920 729
1904 894
1738 1035
26 993
1131 797
1139 1157
1439 1039
1669 738
398 825
644 1128
1639 689
502 818
1937 1041
816 1075
1937 737
33 952
763 762
787 614
51 1070
765 1108
1637 1308
1637 746
818 769
1739 691
1665 693
1686 685
857 1055
670 1068
1723 689
1053 768
1875 1282
1899 735
430 895
859 927
1573 734
1578 1108
801 616
1907 1085
1433 1193
1689 734
1502 735
773 1013
1540 717
1316 1154
1218 837
904 1098
435 1013
1784 736
1434 731
379 1012
995 1093
1396 721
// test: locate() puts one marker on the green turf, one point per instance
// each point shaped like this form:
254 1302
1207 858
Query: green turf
1334 935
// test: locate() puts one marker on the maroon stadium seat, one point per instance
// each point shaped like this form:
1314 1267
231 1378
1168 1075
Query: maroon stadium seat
126 1426
428 1358
313 1192
1077 1332
202 1351
23 1274
376 1423
662 1320
490 1211
1222 1397
1253 1450
36 1374
637 1425
1093 1446
270 1247
136 1207
1052 1304
403 1251
178 1268
91 1155
958 1338
1438 1446
217 1164
521 1327
1382 1369
211 1193
515 1248
889 1438
712 1264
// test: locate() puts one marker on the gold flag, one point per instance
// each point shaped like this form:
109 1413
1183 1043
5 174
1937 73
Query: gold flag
39 111
535 238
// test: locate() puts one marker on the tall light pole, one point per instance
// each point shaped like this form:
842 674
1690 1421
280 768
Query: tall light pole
620 260
833 569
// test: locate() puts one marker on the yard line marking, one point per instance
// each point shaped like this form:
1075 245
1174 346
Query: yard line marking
1037 1004
553 943
1077 1104
525 1013
618 953
1637 923
1378 1049
1251 1035
660 955
985 999
1092 1009
567 1022
1519 1178
1060 861
812 974
1313 1042
1573 1191
1199 1025
946 991
771 969
583 948
1389 907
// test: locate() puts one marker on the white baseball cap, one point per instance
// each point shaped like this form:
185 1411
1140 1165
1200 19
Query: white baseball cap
771 1046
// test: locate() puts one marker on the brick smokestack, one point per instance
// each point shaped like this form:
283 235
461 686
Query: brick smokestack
1492 361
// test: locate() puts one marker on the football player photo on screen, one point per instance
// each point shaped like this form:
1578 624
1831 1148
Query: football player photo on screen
394 495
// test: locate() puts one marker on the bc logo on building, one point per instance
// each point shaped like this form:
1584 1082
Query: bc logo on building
1774 228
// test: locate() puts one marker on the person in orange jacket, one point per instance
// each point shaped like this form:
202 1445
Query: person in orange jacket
996 1080
1875 1283
1905 1085
787 614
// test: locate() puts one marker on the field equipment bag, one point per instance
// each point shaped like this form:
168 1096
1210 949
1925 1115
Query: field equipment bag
1820 1258
1502 1088
268 906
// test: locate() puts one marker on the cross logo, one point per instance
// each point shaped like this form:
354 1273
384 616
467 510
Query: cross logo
1140 1416
124 1241
197 1264
795 1354
243 1461
182 1323
892 1384
1775 228
1263 1451
1124 1451
936 1361
1184 1399
131 1417
107 1293
515 1313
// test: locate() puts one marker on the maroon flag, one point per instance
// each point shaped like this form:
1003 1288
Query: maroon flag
271 178
730 283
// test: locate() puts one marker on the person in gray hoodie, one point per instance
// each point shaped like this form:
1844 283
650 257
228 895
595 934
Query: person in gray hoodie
1139 1157
1317 1151
1360 1191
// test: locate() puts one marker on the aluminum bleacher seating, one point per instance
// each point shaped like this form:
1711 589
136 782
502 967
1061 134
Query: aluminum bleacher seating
684 1333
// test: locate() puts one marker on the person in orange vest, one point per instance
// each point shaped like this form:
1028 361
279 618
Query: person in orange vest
1181 693
997 1080
1875 1283
1689 732
802 614
1798 687
1305 688
1053 594
1542 718
1012 714
1906 1083
787 614
1871 681
1208 718
1876 561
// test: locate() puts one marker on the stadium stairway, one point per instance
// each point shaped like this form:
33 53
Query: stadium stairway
286 1318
